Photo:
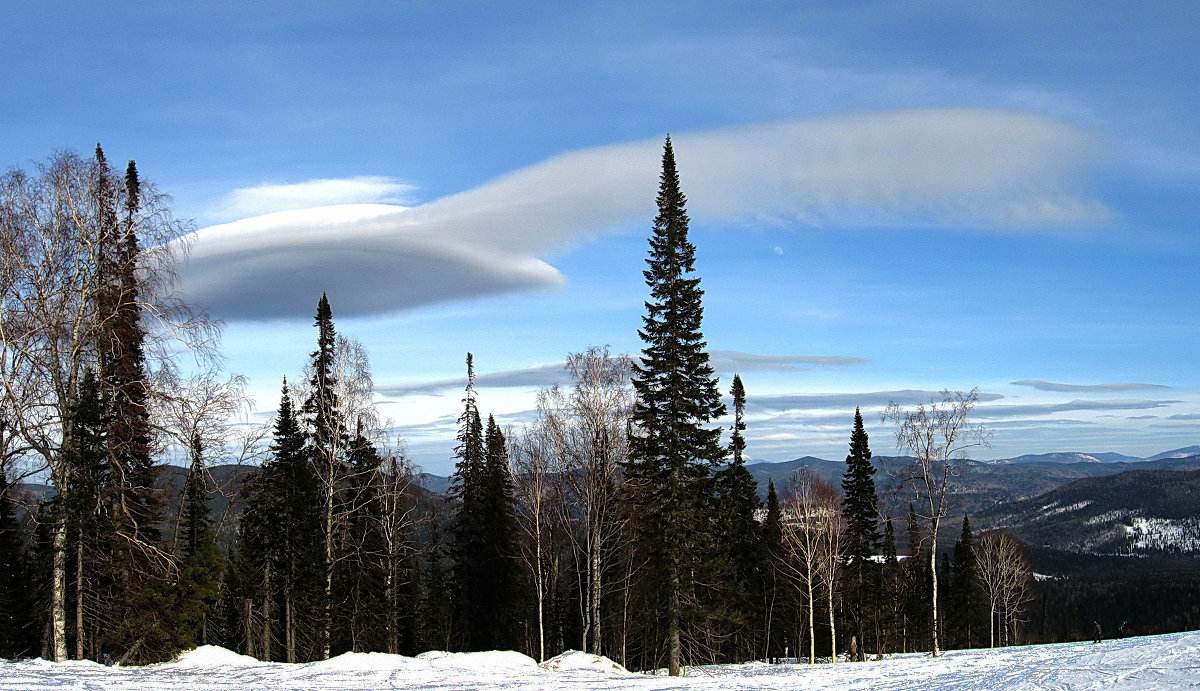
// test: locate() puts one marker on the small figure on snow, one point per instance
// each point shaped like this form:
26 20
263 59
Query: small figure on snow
1121 630
1098 632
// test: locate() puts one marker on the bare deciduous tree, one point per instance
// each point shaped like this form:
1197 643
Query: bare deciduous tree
937 434
537 498
586 428
1004 573
812 525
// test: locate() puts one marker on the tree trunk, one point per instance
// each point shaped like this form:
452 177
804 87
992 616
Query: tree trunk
58 596
832 627
327 600
266 624
934 595
674 645
812 640
248 625
594 595
289 627
79 597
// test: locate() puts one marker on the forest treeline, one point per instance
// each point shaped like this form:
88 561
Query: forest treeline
622 520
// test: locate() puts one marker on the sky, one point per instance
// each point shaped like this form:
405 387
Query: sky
888 199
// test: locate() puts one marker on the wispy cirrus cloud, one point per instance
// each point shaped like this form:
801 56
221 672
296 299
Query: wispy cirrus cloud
544 374
551 373
1114 387
733 361
1040 409
846 401
952 167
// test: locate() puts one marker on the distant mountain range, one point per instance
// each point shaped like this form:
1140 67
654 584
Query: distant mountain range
1107 457
1135 512
1077 502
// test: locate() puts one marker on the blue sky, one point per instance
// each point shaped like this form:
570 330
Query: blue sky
887 200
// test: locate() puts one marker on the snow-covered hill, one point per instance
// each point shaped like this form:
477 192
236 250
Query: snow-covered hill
1137 511
1155 662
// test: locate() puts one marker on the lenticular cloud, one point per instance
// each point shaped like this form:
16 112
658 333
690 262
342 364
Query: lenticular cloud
980 168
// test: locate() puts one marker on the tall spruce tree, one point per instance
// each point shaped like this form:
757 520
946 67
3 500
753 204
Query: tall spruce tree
966 597
861 509
327 442
774 588
297 555
739 540
502 625
85 505
673 451
469 536
201 562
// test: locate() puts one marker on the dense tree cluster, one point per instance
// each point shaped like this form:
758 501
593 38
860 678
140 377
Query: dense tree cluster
621 520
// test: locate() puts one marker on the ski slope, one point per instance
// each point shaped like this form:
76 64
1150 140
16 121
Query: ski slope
1169 661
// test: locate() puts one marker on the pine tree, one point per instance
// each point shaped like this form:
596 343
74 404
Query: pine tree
298 554
360 574
740 538
16 589
468 536
194 522
917 612
862 534
84 506
201 562
890 592
502 627
774 589
674 452
328 442
125 385
966 598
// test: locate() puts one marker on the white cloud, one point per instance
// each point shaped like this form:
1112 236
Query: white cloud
269 198
983 168
1087 388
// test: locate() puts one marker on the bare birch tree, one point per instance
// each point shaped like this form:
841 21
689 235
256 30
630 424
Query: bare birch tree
937 434
812 527
586 427
1004 572
537 495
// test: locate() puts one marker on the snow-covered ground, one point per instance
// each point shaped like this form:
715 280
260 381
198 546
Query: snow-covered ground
1154 662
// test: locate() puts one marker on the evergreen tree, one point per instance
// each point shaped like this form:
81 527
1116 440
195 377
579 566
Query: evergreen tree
125 386
297 555
862 535
891 591
360 574
16 590
194 522
469 536
201 562
966 597
327 449
740 539
673 452
917 612
84 505
502 625
774 589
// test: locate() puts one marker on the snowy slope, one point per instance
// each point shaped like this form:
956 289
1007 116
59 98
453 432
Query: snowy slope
1169 661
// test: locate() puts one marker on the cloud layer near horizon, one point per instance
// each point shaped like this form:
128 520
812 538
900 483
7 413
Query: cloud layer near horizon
982 168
